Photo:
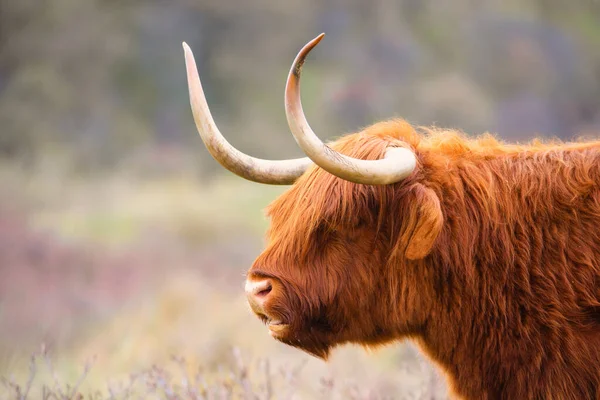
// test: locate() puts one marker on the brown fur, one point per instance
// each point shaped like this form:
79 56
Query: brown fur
488 256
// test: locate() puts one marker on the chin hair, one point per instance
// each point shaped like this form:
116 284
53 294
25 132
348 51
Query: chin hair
311 343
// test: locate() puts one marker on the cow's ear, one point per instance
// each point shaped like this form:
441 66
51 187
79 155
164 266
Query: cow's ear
422 222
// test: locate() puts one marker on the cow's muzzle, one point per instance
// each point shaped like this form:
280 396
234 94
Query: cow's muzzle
258 292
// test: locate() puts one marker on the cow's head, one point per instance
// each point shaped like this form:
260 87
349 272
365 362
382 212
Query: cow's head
355 212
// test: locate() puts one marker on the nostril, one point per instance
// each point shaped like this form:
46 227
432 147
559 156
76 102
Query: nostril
265 291
259 290
258 293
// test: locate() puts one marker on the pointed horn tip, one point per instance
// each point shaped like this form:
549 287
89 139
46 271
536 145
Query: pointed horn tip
316 40
303 53
187 50
190 63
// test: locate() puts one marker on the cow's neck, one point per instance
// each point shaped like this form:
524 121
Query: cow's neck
451 339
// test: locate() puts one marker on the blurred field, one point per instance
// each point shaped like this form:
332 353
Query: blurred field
130 271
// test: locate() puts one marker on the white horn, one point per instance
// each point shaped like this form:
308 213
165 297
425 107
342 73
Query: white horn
397 164
276 172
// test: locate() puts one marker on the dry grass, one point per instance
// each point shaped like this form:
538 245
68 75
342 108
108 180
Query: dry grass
175 381
178 380
256 381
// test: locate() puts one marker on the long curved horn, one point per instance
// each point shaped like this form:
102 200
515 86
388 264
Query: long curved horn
275 172
397 164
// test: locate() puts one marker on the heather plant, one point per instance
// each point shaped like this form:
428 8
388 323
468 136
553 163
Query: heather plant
257 380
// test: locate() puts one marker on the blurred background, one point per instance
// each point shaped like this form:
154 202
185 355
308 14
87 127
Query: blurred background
123 241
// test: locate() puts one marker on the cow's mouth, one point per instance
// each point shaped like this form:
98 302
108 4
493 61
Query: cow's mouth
277 327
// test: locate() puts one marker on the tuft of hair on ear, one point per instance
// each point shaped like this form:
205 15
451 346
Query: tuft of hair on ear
421 222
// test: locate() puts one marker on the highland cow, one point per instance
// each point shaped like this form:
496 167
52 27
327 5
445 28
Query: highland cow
485 254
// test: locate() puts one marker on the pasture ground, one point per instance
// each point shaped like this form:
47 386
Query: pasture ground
130 286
